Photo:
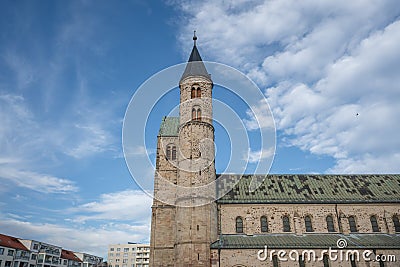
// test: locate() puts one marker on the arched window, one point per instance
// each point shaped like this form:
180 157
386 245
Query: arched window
374 224
308 223
301 261
381 262
171 152
196 114
352 223
173 156
239 225
275 261
396 223
286 223
264 224
325 260
196 91
168 154
329 223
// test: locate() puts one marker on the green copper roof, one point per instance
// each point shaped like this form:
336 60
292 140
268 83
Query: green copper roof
169 126
354 241
312 189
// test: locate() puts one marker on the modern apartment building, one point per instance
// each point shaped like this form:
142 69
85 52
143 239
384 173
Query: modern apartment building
17 252
129 255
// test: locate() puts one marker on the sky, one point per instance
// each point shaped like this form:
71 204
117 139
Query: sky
68 69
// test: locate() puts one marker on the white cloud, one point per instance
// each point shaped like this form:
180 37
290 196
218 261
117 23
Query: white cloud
322 64
125 205
36 181
258 155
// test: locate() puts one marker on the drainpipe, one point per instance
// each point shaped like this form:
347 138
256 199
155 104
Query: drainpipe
338 219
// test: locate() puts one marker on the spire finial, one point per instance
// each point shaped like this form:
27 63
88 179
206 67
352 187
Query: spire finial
194 38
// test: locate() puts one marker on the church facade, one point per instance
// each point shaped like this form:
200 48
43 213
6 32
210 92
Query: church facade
290 220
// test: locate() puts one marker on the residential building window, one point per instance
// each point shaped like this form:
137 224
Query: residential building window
10 252
374 224
329 223
286 223
1 251
126 249
111 254
352 223
111 249
124 260
117 254
325 260
301 261
275 262
396 223
118 249
239 225
125 255
35 246
264 224
7 264
308 223
33 257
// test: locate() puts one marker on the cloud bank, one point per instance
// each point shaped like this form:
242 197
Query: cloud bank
329 70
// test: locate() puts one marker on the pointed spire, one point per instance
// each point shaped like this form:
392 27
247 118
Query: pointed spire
195 65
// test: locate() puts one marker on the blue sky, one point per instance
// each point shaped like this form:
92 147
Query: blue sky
330 71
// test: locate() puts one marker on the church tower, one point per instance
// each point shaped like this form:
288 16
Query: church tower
195 207
181 233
